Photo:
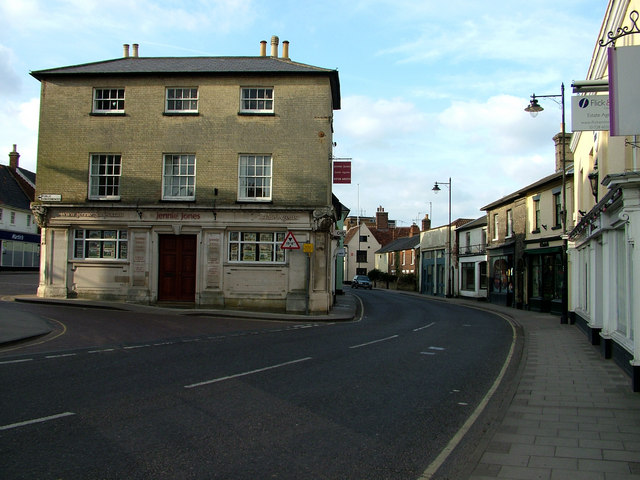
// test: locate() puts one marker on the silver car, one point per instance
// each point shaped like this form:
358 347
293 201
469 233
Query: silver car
361 281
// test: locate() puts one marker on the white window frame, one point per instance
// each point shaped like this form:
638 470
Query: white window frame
109 179
256 99
179 177
254 176
496 226
509 223
182 96
97 244
259 247
113 102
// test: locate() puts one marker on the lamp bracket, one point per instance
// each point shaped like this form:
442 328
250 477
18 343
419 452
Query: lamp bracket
620 32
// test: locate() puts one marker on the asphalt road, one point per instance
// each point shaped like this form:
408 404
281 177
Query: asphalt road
375 399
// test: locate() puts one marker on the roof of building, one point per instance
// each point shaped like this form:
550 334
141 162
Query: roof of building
12 194
194 65
478 222
404 243
523 191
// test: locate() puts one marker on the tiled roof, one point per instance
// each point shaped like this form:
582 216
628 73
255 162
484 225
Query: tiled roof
11 194
194 65
404 243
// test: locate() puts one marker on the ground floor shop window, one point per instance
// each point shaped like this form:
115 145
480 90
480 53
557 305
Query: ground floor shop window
501 276
469 276
102 244
263 247
20 254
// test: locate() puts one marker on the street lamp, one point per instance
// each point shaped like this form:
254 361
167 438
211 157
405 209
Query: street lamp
436 189
534 109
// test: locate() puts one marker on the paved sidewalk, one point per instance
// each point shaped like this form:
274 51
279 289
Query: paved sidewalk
573 414
569 413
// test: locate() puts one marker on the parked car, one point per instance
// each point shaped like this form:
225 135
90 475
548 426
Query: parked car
361 281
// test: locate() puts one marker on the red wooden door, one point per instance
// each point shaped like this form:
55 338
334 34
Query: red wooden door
177 268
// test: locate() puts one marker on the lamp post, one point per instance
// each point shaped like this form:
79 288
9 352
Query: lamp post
534 108
436 189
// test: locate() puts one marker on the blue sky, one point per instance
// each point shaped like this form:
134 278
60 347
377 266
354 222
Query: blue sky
430 89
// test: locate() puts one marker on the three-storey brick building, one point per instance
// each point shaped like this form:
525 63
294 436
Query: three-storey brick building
178 179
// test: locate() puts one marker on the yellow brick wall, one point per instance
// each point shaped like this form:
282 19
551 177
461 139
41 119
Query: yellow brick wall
298 136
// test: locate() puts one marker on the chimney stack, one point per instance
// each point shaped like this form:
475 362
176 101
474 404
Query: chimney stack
274 46
567 150
426 223
382 219
135 50
285 49
13 158
263 48
125 50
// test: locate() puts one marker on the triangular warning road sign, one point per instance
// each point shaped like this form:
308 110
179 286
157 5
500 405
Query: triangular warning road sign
290 242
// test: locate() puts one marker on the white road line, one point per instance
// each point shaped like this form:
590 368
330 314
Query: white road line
136 346
229 377
375 341
36 420
17 361
426 326
427 353
61 355
436 348
102 351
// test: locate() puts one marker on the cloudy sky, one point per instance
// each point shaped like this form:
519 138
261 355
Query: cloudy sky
431 90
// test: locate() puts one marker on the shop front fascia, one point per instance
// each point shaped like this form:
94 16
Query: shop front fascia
225 258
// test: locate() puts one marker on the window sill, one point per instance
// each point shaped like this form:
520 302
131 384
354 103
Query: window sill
257 114
180 114
103 199
537 230
107 114
179 200
557 227
250 201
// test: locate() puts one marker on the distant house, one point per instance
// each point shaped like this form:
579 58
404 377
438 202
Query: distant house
438 260
19 238
472 258
364 238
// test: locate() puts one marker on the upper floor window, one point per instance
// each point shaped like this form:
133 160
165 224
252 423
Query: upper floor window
181 100
509 223
256 100
496 226
104 176
179 177
1 215
363 239
108 100
557 215
254 177
12 218
536 214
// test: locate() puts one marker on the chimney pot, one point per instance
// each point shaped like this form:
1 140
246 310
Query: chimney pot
274 46
135 50
285 49
263 48
125 50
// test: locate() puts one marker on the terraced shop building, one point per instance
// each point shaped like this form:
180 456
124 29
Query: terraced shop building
178 179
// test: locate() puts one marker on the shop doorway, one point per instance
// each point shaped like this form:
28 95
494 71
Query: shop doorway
177 268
